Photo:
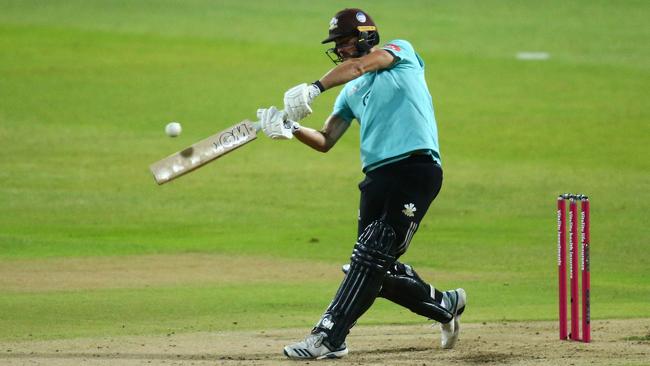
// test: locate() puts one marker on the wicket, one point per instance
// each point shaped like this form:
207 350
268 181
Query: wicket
573 266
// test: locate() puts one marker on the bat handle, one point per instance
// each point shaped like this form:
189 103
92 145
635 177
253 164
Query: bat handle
257 126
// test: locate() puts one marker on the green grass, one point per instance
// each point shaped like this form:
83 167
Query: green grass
86 88
645 338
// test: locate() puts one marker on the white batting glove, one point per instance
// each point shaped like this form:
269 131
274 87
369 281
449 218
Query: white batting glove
297 101
274 124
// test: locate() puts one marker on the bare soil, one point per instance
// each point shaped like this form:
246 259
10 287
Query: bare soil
615 342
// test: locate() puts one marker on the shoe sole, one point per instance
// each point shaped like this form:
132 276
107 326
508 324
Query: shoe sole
335 354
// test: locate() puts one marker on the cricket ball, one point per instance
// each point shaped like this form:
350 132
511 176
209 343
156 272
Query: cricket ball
173 129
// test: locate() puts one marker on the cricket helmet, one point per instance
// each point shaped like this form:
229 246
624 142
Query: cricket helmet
352 22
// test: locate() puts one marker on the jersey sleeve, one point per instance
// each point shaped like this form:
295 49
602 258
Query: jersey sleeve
341 107
403 52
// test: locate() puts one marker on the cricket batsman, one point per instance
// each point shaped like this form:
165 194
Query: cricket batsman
386 92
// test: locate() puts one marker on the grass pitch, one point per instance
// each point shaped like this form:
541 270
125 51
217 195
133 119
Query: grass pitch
87 87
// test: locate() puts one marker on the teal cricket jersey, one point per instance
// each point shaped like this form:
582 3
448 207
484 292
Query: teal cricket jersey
394 109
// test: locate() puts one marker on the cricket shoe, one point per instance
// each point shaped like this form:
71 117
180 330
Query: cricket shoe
312 348
455 301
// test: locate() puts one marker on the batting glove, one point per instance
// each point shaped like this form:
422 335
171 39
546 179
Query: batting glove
274 124
297 101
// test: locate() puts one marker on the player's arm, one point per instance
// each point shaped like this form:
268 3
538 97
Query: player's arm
353 68
297 100
327 137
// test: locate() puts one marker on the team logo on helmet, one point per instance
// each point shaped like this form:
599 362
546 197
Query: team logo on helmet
334 23
361 17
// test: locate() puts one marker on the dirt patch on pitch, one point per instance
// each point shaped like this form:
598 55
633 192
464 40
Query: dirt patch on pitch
615 342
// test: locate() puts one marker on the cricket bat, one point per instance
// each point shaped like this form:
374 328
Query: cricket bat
204 151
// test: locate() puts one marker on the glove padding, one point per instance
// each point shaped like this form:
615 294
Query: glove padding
297 101
274 124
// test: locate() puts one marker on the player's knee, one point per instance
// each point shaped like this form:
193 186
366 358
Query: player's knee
375 246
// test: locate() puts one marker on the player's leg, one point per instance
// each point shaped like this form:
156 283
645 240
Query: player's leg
369 264
353 297
407 188
417 183
403 286
401 193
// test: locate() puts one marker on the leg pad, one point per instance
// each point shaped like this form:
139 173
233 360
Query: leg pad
369 264
403 286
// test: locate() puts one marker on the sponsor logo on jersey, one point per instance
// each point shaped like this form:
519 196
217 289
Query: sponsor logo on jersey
393 47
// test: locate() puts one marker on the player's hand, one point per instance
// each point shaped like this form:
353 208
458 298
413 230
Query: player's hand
297 101
274 124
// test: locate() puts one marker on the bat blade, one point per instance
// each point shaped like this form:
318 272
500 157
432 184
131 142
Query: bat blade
203 152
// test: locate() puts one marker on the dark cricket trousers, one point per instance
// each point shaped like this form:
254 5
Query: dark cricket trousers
400 193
